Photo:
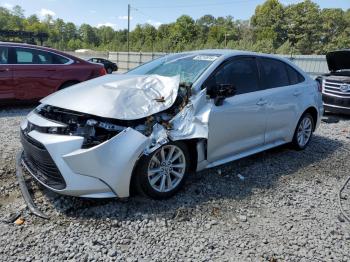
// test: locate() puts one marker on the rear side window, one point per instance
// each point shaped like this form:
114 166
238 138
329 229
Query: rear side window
294 76
4 54
60 60
37 57
241 73
274 73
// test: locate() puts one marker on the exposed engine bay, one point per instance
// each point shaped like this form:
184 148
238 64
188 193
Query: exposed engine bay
96 129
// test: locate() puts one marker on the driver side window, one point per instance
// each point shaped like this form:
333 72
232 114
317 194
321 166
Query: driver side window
241 74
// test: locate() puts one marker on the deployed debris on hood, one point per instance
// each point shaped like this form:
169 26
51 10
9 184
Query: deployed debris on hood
123 97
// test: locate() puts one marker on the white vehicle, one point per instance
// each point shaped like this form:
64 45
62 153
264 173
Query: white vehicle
150 127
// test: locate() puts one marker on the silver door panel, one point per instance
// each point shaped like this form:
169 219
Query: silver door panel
236 126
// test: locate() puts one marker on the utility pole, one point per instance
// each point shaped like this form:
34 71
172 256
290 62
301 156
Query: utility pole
226 35
128 27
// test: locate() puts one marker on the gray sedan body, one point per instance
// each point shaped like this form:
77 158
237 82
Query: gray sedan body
235 104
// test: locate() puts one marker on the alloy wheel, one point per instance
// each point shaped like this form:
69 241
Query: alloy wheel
166 168
304 131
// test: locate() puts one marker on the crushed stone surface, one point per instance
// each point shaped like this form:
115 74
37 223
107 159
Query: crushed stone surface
280 205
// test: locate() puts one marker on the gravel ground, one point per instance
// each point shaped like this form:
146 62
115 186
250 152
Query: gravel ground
280 205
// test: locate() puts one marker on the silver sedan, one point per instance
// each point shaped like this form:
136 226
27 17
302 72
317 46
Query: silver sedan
151 127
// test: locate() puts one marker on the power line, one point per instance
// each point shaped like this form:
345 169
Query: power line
198 5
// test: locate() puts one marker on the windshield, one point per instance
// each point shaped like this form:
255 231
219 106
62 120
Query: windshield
188 66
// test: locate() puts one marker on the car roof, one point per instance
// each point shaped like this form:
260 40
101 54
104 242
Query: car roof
227 53
43 48
230 52
28 45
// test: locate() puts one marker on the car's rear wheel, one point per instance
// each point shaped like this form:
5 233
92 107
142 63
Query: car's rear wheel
161 174
109 70
303 132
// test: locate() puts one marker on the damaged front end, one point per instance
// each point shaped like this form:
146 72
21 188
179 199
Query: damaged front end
96 130
90 155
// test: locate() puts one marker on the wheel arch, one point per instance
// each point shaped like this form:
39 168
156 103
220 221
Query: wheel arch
191 145
314 113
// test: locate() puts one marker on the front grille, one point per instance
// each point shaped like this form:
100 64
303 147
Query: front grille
39 162
333 88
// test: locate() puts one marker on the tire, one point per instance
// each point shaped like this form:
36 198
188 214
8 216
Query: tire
167 179
109 70
303 132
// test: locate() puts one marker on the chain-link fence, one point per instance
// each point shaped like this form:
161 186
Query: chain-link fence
314 65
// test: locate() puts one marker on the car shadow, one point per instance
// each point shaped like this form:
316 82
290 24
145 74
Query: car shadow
233 181
332 118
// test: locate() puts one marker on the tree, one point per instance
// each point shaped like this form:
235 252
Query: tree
303 25
88 36
16 20
71 31
274 28
334 29
183 32
269 21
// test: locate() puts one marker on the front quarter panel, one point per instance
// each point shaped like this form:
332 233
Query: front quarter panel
112 161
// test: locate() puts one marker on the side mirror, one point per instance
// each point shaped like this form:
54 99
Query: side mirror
223 91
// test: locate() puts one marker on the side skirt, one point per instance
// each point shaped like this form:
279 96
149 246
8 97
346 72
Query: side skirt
206 164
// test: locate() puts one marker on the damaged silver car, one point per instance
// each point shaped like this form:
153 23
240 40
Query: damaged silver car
149 128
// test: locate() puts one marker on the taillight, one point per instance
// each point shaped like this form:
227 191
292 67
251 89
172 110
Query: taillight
319 84
103 71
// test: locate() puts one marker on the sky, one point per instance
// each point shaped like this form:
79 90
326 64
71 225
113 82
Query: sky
114 12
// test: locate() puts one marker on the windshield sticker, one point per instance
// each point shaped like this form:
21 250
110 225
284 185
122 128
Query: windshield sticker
205 58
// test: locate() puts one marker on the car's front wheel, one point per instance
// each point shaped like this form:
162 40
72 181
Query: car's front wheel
303 132
109 70
161 174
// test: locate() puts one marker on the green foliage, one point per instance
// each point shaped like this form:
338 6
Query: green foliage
268 22
274 28
303 26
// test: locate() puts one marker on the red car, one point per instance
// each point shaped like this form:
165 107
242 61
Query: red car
29 72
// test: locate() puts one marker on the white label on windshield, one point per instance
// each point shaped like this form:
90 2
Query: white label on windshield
205 58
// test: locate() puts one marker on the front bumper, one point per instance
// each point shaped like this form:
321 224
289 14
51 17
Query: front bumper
60 164
335 104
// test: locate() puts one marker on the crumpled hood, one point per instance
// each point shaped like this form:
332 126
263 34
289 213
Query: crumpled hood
338 60
124 97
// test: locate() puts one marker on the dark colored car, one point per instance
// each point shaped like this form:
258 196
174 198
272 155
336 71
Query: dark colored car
109 65
336 84
29 72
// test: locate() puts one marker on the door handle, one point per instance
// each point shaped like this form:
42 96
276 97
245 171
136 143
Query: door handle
4 69
261 102
50 70
297 93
